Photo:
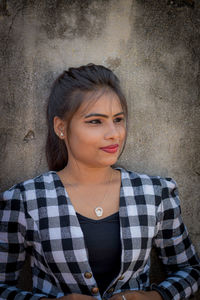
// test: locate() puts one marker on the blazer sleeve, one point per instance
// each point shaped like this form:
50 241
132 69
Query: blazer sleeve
12 245
175 248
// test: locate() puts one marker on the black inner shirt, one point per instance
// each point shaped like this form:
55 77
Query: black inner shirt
102 238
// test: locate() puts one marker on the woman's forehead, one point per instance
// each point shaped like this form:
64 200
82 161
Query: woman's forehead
107 102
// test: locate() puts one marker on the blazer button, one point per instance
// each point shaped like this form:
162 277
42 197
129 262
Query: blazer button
88 275
95 290
122 277
111 290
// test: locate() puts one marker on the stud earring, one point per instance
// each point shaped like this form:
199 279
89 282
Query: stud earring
61 134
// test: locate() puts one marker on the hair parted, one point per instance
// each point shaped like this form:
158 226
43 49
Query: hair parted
68 92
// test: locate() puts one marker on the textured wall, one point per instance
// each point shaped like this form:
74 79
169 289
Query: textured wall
152 47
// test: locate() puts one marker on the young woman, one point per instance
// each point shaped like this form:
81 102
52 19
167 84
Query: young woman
89 227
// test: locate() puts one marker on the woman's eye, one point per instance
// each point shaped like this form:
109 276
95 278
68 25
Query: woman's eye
96 121
118 120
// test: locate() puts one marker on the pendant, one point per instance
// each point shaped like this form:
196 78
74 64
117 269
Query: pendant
99 211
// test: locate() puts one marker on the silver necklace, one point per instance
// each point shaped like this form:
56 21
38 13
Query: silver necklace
99 210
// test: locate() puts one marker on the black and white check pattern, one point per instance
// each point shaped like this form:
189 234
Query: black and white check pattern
37 217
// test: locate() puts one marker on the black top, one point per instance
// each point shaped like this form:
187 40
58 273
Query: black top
102 238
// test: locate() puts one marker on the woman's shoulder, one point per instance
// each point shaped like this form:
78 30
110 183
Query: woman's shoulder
143 179
31 194
162 190
47 180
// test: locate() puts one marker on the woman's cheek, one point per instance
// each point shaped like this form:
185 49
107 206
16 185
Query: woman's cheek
123 133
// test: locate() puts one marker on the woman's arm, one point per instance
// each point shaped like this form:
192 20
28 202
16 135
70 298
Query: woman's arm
12 245
175 248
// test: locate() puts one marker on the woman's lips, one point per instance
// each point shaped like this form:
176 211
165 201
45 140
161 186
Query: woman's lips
111 148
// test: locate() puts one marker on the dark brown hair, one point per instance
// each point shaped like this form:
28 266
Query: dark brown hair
69 91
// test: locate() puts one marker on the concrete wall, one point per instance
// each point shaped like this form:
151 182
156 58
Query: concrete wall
153 48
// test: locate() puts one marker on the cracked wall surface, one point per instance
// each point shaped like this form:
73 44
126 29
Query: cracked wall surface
153 48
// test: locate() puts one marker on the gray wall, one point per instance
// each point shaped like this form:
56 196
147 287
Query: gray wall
153 47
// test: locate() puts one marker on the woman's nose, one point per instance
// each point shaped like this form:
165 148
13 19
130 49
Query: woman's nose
111 132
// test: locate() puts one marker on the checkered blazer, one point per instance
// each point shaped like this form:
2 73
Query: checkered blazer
37 217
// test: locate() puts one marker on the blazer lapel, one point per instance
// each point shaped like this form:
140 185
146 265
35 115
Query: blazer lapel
62 240
134 225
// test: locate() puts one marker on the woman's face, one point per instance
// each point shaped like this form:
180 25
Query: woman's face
96 132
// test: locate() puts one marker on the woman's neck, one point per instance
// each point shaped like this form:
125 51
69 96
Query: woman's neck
76 175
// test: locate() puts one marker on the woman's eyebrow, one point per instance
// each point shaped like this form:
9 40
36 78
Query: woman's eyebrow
102 115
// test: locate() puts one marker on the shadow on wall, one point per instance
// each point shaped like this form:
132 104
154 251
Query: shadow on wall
181 3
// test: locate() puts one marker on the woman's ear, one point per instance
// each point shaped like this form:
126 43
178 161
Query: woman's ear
59 127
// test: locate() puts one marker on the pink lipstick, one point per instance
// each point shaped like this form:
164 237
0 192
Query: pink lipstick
111 148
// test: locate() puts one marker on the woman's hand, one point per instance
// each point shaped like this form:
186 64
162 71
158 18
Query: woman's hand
73 297
133 295
137 295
